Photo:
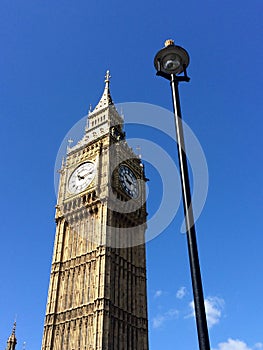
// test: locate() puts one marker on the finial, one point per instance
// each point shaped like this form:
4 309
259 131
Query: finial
70 141
107 77
63 163
169 42
14 328
121 111
138 148
90 108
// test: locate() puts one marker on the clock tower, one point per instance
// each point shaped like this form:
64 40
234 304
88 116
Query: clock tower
97 292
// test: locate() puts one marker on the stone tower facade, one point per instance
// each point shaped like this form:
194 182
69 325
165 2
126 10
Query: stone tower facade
97 293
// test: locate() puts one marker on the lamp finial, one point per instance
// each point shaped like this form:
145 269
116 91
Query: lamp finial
169 42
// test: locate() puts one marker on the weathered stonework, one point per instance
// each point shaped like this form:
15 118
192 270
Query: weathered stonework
97 293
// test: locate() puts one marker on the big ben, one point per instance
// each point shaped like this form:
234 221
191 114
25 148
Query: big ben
97 292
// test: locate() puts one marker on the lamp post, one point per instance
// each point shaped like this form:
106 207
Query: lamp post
169 62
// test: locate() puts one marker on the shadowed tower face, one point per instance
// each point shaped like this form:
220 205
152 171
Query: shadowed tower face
97 292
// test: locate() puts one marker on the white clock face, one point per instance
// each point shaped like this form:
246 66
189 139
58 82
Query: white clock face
81 177
128 181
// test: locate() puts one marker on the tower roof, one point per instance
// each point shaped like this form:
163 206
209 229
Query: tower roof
105 100
11 342
101 119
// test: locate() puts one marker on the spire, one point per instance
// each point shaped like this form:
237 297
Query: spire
107 77
106 99
11 342
102 119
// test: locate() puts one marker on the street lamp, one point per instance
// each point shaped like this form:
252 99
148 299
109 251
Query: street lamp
169 62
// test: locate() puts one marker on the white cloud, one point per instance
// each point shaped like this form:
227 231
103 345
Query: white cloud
213 308
159 320
181 293
236 344
158 293
233 344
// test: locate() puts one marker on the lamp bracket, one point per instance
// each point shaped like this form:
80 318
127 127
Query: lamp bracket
177 78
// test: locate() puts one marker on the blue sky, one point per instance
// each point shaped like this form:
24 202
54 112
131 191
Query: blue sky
53 61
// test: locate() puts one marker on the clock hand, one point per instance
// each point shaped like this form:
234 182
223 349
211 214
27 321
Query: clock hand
128 179
82 177
89 173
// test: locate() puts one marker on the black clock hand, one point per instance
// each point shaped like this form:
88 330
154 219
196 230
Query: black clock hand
82 177
128 179
89 173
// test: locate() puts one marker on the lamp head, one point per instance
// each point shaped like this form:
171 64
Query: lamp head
172 59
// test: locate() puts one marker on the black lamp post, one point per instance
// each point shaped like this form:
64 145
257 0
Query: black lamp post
169 62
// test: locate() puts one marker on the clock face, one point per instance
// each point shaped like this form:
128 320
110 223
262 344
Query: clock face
81 177
128 181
